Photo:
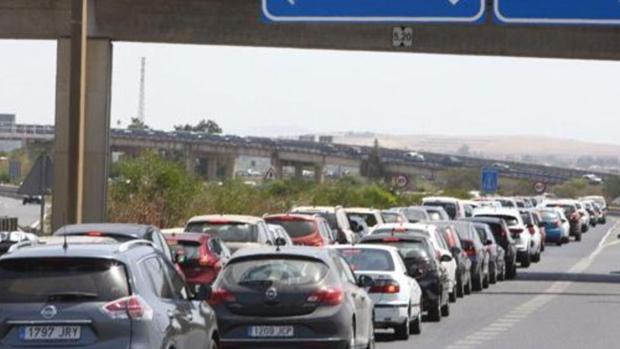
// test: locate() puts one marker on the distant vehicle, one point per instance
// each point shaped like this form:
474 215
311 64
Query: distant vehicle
370 215
391 216
200 256
594 214
584 216
570 211
451 161
436 213
280 233
119 232
415 156
593 179
397 296
453 206
414 214
336 218
463 263
32 199
533 226
502 236
237 232
507 202
10 238
100 294
500 166
477 253
305 230
292 297
423 265
497 261
556 225
358 225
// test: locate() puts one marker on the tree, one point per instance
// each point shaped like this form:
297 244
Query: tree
137 124
373 167
204 126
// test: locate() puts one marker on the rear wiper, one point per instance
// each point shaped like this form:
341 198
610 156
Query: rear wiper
265 283
71 296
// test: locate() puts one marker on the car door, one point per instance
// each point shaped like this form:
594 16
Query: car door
188 313
361 301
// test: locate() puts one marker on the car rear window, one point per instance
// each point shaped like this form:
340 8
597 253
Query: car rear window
390 217
434 215
367 259
449 207
117 237
283 271
527 218
190 249
510 220
295 228
415 215
43 280
506 203
549 216
407 249
370 219
329 217
227 231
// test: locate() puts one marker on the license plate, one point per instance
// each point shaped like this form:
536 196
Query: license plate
271 331
50 333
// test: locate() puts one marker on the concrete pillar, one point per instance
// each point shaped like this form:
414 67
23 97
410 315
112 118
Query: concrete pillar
190 159
319 177
276 167
299 171
229 172
212 169
80 192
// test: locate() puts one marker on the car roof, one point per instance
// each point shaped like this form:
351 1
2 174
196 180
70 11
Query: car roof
402 236
440 198
365 247
288 251
503 211
408 226
360 210
492 220
305 217
329 209
76 248
133 230
226 218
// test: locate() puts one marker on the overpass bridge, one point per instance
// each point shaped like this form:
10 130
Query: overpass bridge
221 151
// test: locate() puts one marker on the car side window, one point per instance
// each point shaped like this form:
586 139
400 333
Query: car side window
161 244
215 247
347 274
156 273
179 288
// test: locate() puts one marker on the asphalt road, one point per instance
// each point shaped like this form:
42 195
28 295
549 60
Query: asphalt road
26 215
571 299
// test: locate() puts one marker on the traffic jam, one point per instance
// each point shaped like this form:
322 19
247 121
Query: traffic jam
326 277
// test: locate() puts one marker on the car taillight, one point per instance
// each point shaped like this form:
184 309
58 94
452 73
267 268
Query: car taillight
557 224
385 286
391 239
132 307
504 233
326 296
531 230
221 295
207 261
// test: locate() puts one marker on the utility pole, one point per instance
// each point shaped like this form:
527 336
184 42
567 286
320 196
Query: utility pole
141 102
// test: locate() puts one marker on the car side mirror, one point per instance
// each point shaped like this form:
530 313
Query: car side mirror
445 258
365 281
488 242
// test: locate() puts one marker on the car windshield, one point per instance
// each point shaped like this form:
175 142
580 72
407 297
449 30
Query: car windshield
527 218
482 232
276 271
568 209
367 259
227 231
414 215
369 218
48 280
295 228
448 206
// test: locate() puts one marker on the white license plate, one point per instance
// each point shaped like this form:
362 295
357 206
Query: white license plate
271 331
50 333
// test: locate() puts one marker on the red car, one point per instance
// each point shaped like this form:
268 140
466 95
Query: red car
304 230
200 256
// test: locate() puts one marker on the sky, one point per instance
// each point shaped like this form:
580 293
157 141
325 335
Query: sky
279 92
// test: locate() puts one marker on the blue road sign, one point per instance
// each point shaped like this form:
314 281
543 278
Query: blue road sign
489 180
407 11
579 12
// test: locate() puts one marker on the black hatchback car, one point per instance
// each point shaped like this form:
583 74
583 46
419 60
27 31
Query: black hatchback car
292 297
422 265
502 236
99 294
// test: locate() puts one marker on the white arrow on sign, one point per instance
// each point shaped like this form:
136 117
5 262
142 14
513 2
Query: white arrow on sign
453 2
292 2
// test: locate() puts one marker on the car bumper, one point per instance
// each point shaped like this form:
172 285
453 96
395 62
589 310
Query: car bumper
293 343
389 315
554 234
431 292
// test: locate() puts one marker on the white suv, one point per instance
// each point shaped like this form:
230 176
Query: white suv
518 230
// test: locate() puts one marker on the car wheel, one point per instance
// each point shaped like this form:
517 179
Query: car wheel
578 237
467 290
493 275
452 296
445 310
460 289
434 314
536 258
402 332
485 281
371 343
527 260
416 325
560 242
213 344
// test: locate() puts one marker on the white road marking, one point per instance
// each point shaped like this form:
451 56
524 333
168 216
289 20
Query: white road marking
521 312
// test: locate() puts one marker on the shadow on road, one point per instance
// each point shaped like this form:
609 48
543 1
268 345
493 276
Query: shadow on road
611 278
534 293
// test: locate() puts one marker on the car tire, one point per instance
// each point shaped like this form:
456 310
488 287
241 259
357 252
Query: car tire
578 237
445 310
485 281
401 332
468 288
460 289
434 314
560 242
478 283
527 260
452 296
213 344
536 258
493 275
416 325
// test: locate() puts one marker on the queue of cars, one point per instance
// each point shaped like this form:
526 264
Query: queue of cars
314 276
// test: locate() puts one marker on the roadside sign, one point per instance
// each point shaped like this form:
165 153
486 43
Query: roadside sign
402 37
489 180
540 187
269 175
39 180
401 181
409 11
580 12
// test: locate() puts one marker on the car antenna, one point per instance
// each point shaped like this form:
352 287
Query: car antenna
65 245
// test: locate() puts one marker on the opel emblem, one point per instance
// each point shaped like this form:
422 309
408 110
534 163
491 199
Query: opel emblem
49 312
271 294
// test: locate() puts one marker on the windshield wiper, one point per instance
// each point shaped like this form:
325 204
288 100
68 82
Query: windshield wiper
71 296
265 283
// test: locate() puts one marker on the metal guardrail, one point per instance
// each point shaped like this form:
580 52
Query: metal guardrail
9 191
613 211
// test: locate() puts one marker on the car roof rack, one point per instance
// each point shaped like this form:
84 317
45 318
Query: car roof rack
21 244
124 247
